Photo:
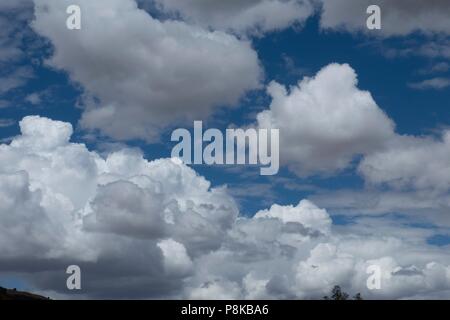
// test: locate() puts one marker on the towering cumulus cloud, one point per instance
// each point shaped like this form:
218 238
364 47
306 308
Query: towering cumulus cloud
326 121
155 229
141 74
123 214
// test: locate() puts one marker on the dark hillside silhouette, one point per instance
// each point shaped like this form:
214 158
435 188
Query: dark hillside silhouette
13 294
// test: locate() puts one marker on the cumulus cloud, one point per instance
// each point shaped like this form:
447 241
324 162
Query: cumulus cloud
243 17
176 259
61 202
407 162
408 174
326 121
24 220
308 264
400 17
155 229
140 74
33 98
312 216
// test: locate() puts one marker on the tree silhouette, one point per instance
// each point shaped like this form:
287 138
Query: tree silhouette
358 297
338 294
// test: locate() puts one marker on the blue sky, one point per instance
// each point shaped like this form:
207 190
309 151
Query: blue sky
392 64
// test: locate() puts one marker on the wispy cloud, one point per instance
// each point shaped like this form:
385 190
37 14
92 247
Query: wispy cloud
6 123
434 83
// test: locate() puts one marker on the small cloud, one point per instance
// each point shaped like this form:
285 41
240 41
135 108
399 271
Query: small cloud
440 67
4 104
291 66
33 98
435 83
407 271
6 123
15 79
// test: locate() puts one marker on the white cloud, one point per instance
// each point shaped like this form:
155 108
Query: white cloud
438 67
157 229
42 134
61 203
6 123
306 213
427 205
309 264
143 73
400 17
435 49
24 220
410 163
408 175
15 78
33 98
176 259
434 83
219 289
325 121
324 267
243 17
